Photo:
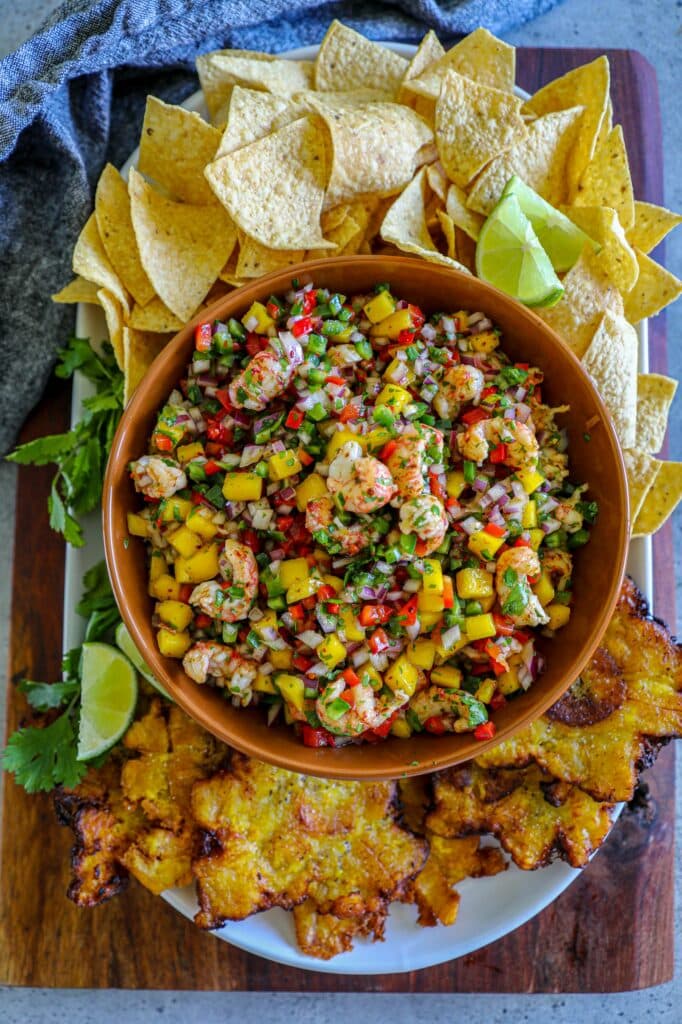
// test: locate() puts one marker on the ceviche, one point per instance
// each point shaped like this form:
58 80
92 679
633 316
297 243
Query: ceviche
359 516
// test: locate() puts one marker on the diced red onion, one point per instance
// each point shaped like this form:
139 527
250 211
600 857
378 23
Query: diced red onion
338 563
394 595
509 414
240 418
480 484
518 489
267 669
233 509
550 526
413 630
360 657
368 594
277 554
273 711
251 453
450 637
470 525
255 615
520 394
379 661
448 325
429 332
411 586
278 446
251 323
310 638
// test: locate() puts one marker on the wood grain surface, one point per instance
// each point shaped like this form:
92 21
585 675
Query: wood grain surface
611 930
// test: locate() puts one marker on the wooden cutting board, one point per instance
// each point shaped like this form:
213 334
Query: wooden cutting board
612 930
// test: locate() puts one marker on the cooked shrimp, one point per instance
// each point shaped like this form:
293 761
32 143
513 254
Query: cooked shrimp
157 477
319 515
559 565
362 484
517 600
569 516
460 383
407 461
229 669
448 705
522 445
343 355
238 567
426 517
368 710
266 376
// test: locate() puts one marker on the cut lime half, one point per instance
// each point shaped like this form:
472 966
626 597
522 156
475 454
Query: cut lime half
510 257
125 642
562 240
108 698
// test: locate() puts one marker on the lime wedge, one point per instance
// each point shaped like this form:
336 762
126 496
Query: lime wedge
561 239
108 698
510 257
125 642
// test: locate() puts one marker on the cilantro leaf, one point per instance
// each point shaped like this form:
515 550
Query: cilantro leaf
41 759
589 509
44 696
476 710
511 376
43 450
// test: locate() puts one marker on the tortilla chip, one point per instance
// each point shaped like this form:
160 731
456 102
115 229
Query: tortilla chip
606 126
656 288
346 236
405 225
221 70
255 259
78 290
251 115
113 314
140 349
611 361
90 261
438 181
606 180
448 228
375 149
540 159
586 86
466 249
473 124
274 187
155 317
115 226
183 247
479 56
428 52
346 60
461 215
642 470
655 395
616 255
588 293
652 224
175 146
661 501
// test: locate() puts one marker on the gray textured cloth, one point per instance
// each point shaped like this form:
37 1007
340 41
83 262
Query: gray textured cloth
73 97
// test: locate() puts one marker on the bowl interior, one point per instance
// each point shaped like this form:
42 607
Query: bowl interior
594 457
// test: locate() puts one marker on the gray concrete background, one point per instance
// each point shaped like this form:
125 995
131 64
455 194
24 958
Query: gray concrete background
655 29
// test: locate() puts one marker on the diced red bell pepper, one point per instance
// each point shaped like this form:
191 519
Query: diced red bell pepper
215 450
382 731
203 336
349 413
255 343
522 636
218 431
351 678
348 696
448 593
211 467
421 548
487 392
302 326
497 701
537 394
333 379
326 592
223 396
251 539
475 416
406 337
452 503
333 608
493 530
522 366
304 458
309 301
499 453
418 317
520 542
186 591
378 641
284 523
163 443
302 663
294 419
503 625
435 725
407 615
309 602
197 498
375 614
297 611
481 668
497 659
436 486
388 449
273 310
316 737
202 621
485 731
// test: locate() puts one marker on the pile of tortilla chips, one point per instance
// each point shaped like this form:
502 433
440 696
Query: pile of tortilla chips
363 151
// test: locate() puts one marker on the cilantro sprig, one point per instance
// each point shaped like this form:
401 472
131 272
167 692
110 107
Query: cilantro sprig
44 756
80 454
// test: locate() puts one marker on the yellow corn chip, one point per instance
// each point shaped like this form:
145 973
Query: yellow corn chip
611 361
183 247
606 180
588 293
140 349
91 262
480 56
405 225
655 395
343 236
448 228
175 146
616 255
274 187
255 259
642 469
461 215
473 124
466 249
115 226
428 52
251 115
540 159
221 70
661 500
437 179
346 60
78 290
652 224
586 86
656 288
155 317
606 126
113 314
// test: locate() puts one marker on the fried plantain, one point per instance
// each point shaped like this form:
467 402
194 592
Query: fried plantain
591 739
325 935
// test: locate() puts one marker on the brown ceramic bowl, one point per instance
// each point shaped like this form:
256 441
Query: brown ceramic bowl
598 568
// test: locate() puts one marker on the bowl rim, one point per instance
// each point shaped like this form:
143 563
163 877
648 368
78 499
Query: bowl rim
323 766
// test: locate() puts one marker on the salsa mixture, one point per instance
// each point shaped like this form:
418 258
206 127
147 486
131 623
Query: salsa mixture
359 516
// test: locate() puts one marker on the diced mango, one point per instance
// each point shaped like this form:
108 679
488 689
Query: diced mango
486 341
351 628
402 676
398 372
187 452
484 545
377 438
368 674
559 614
455 483
200 521
292 689
175 510
529 516
265 684
281 659
175 614
300 589
331 651
380 307
421 653
291 570
185 541
401 728
478 627
157 566
165 588
428 620
242 486
314 486
138 526
338 439
508 682
263 319
393 396
447 676
536 538
200 567
443 654
485 691
473 584
283 464
173 645
432 582
530 479
265 626
430 602
334 582
391 326
486 603
543 589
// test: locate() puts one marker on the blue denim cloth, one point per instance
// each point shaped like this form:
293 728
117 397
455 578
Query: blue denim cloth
73 97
